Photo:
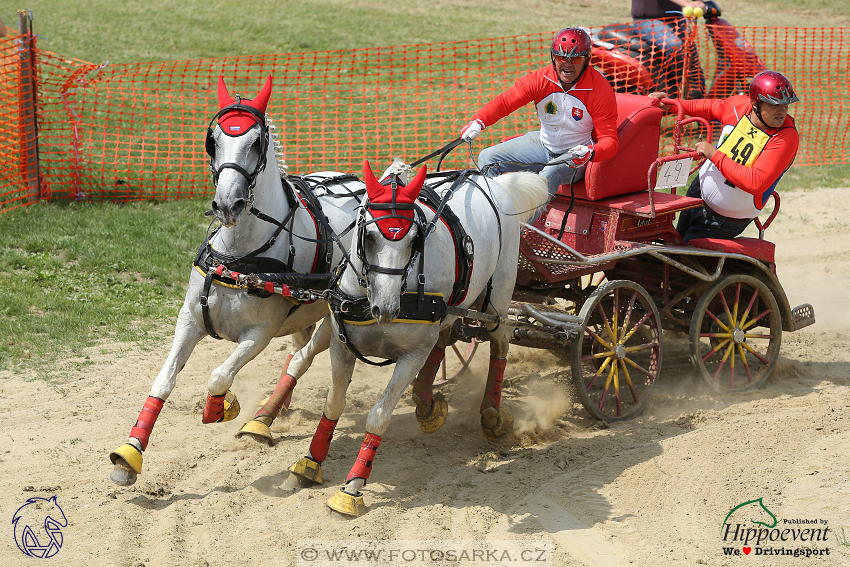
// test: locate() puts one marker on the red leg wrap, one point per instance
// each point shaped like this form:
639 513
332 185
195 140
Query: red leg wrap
214 410
322 439
281 398
144 425
425 379
286 364
363 465
493 389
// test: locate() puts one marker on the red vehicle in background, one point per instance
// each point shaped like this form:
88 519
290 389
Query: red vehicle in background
635 61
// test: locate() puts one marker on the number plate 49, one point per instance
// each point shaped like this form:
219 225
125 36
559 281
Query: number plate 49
673 173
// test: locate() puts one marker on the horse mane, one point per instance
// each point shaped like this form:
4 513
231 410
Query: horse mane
527 190
399 168
277 145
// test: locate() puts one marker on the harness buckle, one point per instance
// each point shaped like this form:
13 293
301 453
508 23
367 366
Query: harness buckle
421 279
203 300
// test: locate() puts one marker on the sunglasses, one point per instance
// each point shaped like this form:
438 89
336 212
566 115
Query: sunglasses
573 60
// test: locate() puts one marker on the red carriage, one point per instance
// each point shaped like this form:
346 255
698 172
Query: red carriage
604 271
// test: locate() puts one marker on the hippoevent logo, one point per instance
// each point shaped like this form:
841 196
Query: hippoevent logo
38 527
751 528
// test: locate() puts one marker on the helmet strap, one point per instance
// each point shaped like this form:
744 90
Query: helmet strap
757 110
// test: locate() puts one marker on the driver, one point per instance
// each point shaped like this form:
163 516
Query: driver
757 145
577 110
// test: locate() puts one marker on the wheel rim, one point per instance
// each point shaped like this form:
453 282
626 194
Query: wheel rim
735 334
456 361
617 356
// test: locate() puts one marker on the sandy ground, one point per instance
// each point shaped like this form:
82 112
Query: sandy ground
652 491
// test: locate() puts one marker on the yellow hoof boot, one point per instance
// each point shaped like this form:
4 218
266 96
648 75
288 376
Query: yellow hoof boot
258 430
504 424
431 418
307 470
347 504
231 407
128 464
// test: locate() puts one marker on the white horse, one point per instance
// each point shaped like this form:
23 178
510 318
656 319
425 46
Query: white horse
398 247
262 230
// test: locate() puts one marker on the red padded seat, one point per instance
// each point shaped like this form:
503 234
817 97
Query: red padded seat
638 131
752 247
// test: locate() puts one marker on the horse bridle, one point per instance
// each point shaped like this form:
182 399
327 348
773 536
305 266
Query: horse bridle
209 145
418 243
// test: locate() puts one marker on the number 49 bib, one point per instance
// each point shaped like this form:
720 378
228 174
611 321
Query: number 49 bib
744 143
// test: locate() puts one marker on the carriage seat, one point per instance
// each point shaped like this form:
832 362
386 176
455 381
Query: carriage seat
757 248
638 130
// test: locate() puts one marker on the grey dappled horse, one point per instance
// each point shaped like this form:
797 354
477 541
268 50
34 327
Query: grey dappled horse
385 263
261 227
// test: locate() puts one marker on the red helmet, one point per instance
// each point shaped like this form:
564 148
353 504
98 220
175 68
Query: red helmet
773 88
571 42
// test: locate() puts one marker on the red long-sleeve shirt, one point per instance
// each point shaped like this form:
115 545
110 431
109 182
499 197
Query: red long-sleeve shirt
584 114
760 179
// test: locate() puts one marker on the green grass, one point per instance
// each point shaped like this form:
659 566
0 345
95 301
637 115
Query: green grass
76 274
164 30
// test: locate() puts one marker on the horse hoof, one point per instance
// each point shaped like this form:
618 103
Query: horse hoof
504 424
292 484
347 504
308 470
258 431
128 465
231 407
431 418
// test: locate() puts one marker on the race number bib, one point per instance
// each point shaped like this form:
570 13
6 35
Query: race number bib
744 143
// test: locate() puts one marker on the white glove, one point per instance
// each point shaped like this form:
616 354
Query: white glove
581 155
471 130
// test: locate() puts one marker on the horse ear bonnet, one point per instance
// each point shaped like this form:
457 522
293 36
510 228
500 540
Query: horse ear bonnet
388 192
237 121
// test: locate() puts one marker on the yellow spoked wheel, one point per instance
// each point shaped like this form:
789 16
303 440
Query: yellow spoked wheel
735 334
457 359
616 359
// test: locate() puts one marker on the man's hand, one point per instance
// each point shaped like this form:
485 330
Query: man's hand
471 130
664 107
581 155
706 149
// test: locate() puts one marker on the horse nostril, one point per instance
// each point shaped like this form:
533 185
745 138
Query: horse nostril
376 312
214 206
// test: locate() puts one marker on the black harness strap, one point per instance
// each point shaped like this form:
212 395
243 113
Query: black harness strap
357 309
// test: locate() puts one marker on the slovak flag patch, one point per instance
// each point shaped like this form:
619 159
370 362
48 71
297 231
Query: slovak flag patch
578 114
393 230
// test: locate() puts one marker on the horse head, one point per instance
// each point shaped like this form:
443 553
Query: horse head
386 241
238 146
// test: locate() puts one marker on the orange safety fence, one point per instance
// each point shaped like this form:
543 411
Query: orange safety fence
136 131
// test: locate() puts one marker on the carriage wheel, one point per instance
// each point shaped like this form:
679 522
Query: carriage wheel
616 359
735 334
456 361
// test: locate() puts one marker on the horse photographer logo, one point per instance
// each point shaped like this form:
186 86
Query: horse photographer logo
755 529
37 526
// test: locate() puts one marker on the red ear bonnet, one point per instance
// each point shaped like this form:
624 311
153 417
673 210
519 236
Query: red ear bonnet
393 228
238 122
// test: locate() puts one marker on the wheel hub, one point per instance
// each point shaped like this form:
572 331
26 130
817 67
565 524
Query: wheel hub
620 351
738 335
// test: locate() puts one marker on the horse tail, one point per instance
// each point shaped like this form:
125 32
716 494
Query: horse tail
528 191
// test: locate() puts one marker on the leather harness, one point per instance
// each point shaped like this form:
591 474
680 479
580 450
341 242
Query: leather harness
298 192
